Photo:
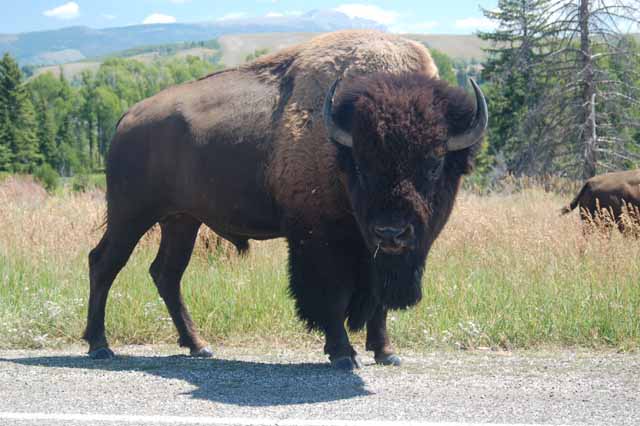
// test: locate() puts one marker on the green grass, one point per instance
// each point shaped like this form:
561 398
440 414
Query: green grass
506 273
45 304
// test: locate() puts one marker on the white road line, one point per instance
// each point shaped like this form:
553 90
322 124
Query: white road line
231 421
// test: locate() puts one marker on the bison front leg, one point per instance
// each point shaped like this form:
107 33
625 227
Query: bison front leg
378 339
322 282
176 245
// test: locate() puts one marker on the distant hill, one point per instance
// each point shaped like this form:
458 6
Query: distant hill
456 46
207 50
78 43
236 47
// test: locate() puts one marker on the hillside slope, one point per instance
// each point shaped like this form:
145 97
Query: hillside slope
456 46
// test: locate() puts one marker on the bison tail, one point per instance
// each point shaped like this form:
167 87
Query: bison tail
103 223
574 203
565 210
242 246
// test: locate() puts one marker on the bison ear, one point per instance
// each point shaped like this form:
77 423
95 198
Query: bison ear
476 130
335 133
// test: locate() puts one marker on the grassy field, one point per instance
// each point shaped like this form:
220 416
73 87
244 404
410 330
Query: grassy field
508 272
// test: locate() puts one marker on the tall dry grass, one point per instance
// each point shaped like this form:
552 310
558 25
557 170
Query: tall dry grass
508 271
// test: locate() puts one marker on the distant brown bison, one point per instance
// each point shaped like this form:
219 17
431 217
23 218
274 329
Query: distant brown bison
348 146
608 192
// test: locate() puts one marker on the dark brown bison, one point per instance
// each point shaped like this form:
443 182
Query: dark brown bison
610 192
349 146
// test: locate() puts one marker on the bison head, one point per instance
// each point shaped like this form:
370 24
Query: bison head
404 141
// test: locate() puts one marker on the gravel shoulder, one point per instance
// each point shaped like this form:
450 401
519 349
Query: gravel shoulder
541 387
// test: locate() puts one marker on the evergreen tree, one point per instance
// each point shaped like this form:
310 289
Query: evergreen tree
19 122
108 112
27 149
516 78
47 132
66 162
11 95
87 115
6 155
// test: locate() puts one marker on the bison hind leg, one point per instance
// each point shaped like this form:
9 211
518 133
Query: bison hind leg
176 246
105 262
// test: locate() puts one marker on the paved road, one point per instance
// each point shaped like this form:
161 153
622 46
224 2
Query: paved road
255 388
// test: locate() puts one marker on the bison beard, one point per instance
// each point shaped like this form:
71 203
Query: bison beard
399 279
396 284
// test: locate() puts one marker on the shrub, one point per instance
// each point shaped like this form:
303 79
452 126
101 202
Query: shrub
80 183
98 181
47 177
83 182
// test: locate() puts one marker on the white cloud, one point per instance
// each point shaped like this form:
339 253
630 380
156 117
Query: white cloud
159 18
232 15
281 14
368 11
66 11
414 27
476 24
179 1
108 17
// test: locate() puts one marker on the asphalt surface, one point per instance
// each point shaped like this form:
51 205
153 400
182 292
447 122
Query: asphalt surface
554 387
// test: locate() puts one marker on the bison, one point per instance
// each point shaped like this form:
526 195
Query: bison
612 192
349 146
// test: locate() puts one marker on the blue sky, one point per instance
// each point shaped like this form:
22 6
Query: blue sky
427 16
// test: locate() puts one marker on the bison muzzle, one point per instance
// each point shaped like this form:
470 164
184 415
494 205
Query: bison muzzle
349 146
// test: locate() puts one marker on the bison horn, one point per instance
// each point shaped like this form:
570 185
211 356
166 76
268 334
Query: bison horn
479 125
334 132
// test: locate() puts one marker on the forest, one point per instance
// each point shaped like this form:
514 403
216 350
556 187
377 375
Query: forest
55 126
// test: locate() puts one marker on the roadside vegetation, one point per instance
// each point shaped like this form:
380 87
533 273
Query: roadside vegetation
507 273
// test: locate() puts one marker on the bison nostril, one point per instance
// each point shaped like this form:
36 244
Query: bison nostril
394 234
406 234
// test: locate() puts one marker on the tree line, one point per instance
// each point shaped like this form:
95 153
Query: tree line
562 78
66 124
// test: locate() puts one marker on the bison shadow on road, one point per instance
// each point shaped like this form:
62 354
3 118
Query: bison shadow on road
242 383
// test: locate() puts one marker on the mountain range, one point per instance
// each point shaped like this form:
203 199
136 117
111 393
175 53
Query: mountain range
78 43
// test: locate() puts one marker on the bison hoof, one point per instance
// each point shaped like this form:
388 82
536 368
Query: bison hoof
346 363
102 353
391 359
205 352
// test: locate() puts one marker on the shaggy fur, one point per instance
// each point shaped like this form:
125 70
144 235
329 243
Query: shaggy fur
245 152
